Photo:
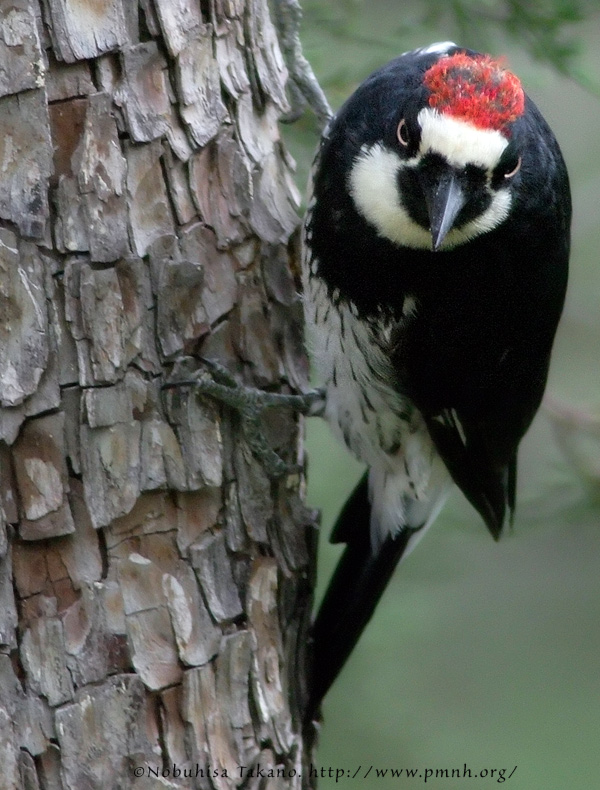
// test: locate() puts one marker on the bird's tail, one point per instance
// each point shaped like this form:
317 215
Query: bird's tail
354 591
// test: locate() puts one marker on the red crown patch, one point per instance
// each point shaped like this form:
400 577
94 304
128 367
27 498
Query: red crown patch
475 89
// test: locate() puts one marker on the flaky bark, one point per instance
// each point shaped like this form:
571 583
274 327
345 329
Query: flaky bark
154 582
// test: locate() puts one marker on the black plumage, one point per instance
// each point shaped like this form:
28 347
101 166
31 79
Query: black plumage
446 347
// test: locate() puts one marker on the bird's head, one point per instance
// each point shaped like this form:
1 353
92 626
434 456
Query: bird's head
447 162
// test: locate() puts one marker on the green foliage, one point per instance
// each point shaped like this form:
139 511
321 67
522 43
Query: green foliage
481 653
550 30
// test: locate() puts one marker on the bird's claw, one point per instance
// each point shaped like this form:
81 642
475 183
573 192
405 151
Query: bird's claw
215 381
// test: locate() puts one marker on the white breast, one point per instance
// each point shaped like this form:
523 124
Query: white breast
352 366
380 425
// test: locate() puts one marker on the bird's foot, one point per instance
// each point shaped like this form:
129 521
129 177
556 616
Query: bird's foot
303 86
217 382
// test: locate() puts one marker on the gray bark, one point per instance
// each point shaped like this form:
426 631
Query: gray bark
155 584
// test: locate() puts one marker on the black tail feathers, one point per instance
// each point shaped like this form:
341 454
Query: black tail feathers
353 593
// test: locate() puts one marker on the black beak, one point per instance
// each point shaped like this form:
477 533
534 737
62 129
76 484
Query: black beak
445 198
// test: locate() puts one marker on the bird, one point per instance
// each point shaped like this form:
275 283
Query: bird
435 262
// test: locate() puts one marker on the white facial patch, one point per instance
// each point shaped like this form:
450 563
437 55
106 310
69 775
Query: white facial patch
374 189
373 184
459 142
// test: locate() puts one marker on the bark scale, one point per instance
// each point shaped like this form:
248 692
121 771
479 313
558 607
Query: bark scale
155 584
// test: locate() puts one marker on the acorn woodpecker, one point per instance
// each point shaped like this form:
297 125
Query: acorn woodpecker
436 246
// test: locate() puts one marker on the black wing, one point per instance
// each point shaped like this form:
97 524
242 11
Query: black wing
488 484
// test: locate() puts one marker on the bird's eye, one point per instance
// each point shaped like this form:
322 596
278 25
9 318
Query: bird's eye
402 133
514 170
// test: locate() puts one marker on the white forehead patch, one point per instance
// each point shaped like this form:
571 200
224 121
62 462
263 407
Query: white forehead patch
373 184
459 142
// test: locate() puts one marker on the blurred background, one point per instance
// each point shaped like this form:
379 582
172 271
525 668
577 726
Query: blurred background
482 653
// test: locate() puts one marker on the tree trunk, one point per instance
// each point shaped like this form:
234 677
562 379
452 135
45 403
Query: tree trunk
155 584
